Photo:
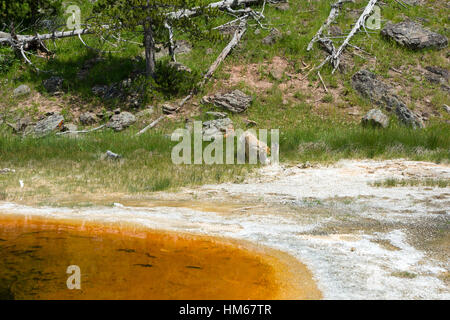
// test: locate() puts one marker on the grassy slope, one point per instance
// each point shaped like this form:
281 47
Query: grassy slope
315 126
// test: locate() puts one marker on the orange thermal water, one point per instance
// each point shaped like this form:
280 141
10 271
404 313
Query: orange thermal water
130 263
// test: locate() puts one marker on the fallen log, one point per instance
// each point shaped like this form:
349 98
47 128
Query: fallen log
151 125
81 131
360 23
334 13
233 42
183 13
6 38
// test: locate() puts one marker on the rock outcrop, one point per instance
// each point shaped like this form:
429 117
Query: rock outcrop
21 90
375 118
412 35
53 84
235 101
216 128
49 124
88 118
366 83
121 121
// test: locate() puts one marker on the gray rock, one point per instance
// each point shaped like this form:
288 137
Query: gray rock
111 155
121 121
181 47
49 124
70 127
216 128
53 84
412 35
446 108
437 75
179 67
375 118
218 115
235 101
167 108
7 170
106 115
100 90
146 112
366 83
273 37
88 118
443 73
22 124
21 90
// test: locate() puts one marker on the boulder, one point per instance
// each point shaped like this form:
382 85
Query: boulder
69 127
181 47
217 115
412 35
235 101
167 108
21 90
88 118
120 121
111 155
217 128
437 75
99 90
366 83
446 108
375 118
22 124
179 67
53 84
50 123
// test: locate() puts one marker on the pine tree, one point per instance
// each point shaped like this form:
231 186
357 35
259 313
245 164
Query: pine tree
151 18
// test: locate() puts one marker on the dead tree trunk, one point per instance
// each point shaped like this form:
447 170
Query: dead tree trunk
149 44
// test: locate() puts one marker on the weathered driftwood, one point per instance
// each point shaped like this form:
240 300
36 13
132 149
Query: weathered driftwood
334 13
41 37
360 23
334 57
323 83
185 13
81 131
233 42
151 125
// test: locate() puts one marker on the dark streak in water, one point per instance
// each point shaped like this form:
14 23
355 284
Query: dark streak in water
144 265
2 239
22 252
126 250
149 255
193 267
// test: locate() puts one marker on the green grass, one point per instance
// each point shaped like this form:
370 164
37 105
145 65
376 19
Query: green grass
63 165
404 274
392 182
316 132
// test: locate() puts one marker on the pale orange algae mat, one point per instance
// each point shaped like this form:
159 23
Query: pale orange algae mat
133 263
